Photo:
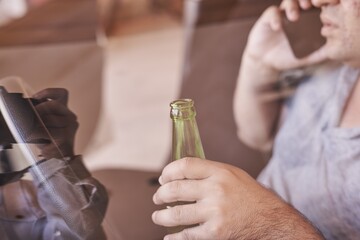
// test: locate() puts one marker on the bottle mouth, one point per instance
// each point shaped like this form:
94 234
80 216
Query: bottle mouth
182 109
182 103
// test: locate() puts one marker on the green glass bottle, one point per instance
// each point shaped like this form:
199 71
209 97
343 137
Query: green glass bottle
186 140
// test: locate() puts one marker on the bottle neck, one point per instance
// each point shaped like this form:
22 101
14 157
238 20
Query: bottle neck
186 138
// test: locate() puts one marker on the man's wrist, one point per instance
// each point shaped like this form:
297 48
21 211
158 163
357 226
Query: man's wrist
257 73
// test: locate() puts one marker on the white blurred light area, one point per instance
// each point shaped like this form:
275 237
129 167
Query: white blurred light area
11 9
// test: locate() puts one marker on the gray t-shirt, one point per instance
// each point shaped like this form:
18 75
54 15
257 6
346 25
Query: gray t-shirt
315 164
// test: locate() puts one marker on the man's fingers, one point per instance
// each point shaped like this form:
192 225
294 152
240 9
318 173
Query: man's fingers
54 108
275 19
184 190
291 8
58 94
305 4
180 215
271 18
187 168
315 57
56 121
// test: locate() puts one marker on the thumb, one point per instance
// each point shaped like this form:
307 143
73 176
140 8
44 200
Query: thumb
315 57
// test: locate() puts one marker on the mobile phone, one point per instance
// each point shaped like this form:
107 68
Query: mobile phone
304 35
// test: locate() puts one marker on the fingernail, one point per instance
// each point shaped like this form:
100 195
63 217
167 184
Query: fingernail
293 14
153 216
160 180
155 198
305 4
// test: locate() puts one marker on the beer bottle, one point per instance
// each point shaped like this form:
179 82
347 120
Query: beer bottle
186 140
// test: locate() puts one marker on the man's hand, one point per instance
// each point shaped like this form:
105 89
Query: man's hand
292 8
59 121
259 94
268 44
226 203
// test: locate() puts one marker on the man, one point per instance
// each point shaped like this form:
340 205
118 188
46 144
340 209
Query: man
63 201
316 154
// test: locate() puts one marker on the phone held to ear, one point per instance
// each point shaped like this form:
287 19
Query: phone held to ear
304 35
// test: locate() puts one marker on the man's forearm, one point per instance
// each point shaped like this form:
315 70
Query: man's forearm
256 117
280 222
